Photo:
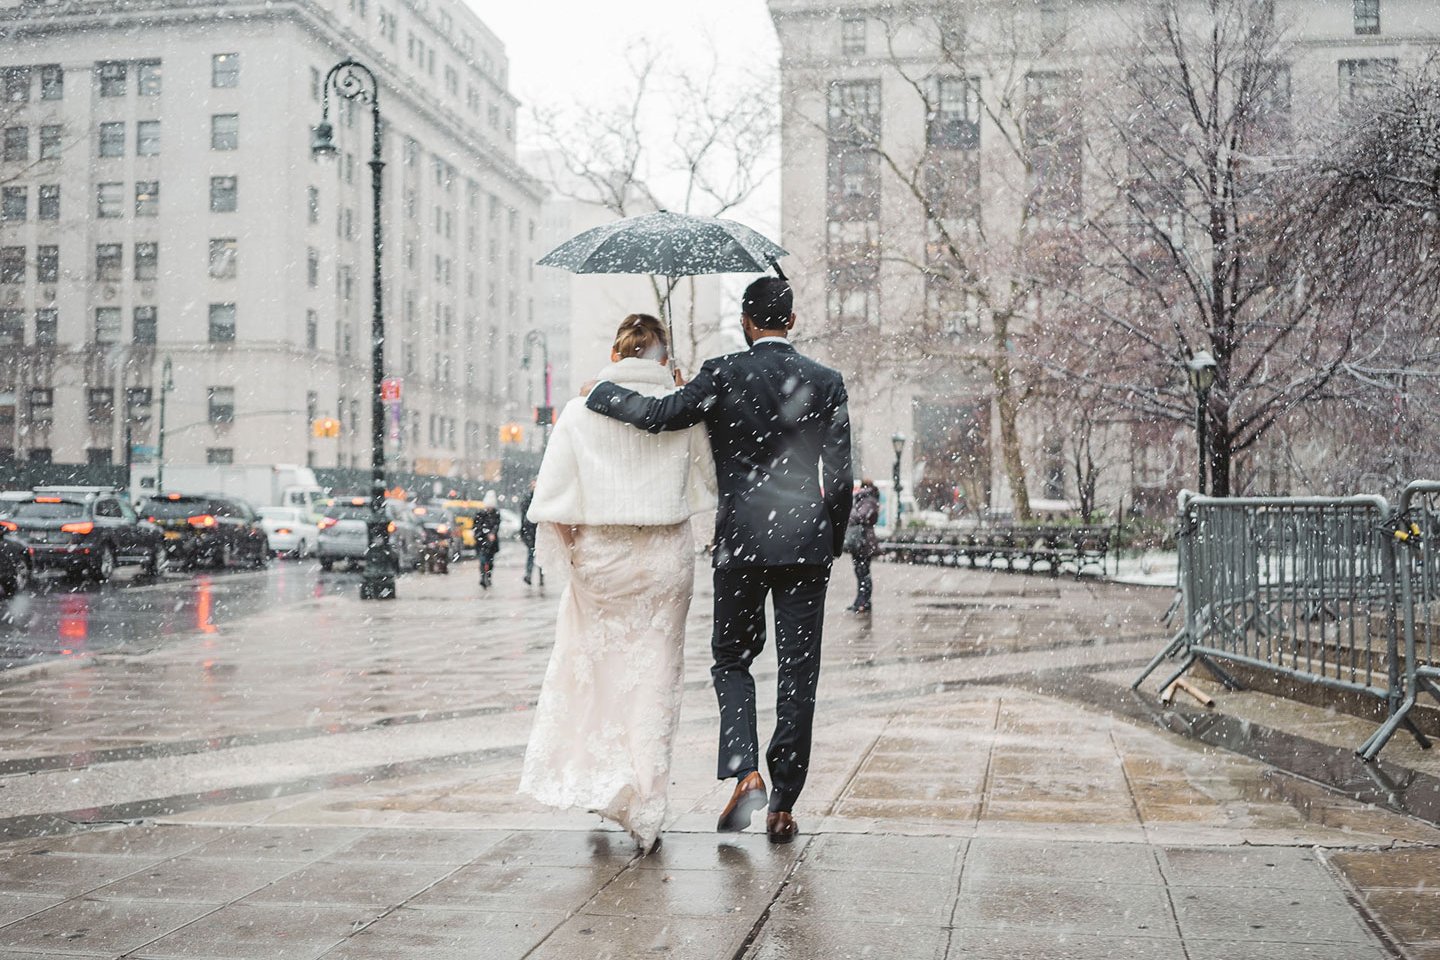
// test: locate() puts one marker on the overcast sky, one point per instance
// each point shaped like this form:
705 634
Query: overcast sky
563 50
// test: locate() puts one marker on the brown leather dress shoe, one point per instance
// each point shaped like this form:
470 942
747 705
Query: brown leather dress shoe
780 827
749 797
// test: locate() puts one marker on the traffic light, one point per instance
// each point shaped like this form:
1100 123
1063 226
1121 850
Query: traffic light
511 433
325 427
544 416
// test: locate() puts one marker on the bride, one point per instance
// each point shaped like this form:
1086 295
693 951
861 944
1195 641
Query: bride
613 505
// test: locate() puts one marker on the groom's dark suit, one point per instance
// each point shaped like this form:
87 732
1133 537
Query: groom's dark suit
780 431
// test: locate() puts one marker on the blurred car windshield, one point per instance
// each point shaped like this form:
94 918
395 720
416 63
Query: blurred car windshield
348 512
48 509
283 514
167 509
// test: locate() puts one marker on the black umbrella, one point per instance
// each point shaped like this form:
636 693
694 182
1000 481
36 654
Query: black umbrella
671 245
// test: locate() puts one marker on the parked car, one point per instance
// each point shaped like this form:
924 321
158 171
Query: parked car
203 529
344 536
17 565
86 532
440 538
289 530
464 513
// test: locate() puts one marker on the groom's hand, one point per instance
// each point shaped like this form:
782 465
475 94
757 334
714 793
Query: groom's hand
587 386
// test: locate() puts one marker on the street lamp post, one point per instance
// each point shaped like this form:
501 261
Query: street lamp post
1200 368
167 383
545 414
898 442
356 82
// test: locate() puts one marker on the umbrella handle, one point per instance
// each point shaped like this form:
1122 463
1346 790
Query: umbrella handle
774 262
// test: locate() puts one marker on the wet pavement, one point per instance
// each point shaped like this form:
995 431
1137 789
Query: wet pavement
68 616
301 775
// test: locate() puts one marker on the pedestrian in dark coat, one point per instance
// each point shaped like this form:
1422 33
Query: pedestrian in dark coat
487 536
861 543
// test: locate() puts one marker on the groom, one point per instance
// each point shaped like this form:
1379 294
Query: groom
780 432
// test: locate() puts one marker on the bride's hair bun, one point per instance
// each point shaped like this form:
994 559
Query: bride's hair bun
641 335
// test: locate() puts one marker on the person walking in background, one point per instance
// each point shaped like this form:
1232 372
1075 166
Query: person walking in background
527 536
860 541
614 506
487 536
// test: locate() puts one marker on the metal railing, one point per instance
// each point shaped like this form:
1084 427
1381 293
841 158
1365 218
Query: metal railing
1336 592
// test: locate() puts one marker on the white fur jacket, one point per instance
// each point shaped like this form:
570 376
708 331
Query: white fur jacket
601 471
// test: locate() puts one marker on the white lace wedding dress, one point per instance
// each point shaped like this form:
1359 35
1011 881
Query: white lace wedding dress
605 722
613 506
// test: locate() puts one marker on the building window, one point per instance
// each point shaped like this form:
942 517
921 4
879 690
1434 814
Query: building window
17 84
222 258
48 205
225 70
50 141
852 36
312 331
137 404
312 197
107 324
112 140
147 261
147 138
222 404
854 111
147 198
222 323
1367 16
147 78
17 144
312 267
222 456
223 194
109 200
315 84
99 457
47 263
955 122
52 82
112 78
145 326
12 264
1363 80
39 455
47 326
225 131
14 203
12 328
42 405
107 261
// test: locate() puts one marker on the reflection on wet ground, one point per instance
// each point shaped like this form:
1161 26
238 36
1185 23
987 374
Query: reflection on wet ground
69 617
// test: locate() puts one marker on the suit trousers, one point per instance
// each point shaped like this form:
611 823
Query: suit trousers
739 636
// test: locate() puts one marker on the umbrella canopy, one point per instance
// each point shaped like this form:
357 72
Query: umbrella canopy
666 244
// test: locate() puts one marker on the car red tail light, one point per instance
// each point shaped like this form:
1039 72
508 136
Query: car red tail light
283 531
82 528
6 524
390 527
204 520
442 529
327 522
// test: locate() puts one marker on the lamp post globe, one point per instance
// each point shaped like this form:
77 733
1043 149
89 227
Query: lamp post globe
1200 369
352 80
897 441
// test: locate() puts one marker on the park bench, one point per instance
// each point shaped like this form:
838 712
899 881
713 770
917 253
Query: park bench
1028 548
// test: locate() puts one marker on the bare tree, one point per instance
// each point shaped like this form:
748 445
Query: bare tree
1200 250
687 139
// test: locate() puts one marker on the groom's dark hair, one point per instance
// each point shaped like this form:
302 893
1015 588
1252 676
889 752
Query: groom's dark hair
768 302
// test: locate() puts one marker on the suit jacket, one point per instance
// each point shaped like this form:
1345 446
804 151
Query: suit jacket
779 428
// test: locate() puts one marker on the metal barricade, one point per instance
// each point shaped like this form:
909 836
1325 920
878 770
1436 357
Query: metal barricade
1303 587
1415 533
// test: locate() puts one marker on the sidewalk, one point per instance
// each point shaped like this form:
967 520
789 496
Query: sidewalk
340 782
